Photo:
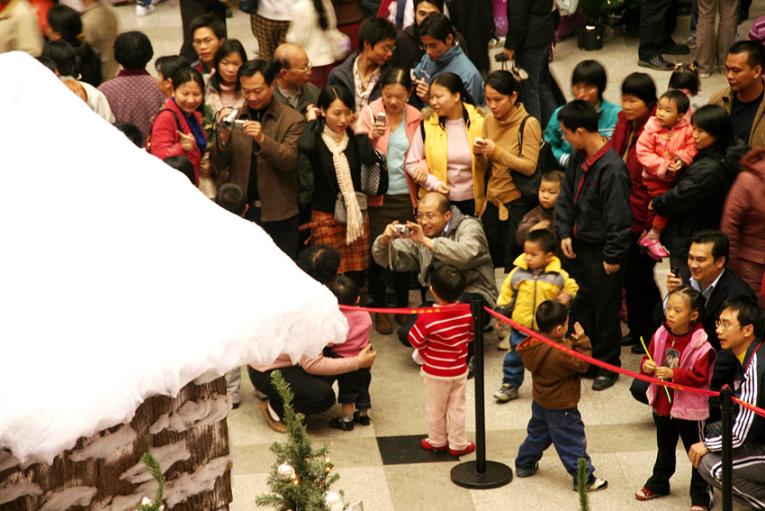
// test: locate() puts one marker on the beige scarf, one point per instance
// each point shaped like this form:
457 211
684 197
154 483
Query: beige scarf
354 228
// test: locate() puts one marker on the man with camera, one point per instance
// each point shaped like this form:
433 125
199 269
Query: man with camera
257 148
442 235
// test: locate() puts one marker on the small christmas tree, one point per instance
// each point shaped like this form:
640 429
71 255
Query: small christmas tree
300 478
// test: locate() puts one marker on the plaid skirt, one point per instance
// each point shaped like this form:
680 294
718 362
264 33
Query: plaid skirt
325 230
269 33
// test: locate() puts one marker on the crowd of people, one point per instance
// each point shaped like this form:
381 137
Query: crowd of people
382 156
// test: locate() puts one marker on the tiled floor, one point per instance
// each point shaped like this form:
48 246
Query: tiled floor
368 459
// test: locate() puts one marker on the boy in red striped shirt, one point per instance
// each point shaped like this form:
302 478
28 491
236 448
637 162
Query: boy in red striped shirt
442 341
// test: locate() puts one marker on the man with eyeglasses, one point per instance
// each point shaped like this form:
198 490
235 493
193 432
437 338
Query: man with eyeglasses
360 73
740 331
706 272
441 235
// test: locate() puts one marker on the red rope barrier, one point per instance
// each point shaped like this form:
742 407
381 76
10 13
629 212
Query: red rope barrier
464 307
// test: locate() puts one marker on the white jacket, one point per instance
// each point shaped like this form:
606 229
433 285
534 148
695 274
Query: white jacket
306 32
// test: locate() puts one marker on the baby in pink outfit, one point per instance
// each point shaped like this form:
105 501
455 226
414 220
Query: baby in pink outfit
664 149
354 386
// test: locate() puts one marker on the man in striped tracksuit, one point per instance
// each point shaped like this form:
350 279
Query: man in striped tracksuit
740 329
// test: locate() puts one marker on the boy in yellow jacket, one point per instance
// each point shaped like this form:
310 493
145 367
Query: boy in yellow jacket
537 277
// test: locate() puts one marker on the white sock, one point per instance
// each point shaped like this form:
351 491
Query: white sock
417 357
273 414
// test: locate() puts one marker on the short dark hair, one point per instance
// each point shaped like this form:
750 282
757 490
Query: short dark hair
47 62
132 50
679 98
211 21
320 262
747 313
695 298
590 72
438 3
345 289
550 314
719 241
332 92
132 132
183 165
754 50
716 121
231 198
168 65
579 114
373 30
553 176
448 282
269 70
685 76
437 26
66 21
228 47
396 76
544 238
642 86
188 74
64 56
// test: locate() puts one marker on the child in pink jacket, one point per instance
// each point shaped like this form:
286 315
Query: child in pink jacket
664 148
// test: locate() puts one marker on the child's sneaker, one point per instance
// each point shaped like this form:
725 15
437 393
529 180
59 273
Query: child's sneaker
595 484
504 344
143 10
364 420
506 392
340 423
462 452
526 472
425 444
654 248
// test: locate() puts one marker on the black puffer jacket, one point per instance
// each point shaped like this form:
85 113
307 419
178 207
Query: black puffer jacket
696 201
531 24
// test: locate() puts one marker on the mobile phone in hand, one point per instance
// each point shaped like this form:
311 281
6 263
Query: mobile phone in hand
675 270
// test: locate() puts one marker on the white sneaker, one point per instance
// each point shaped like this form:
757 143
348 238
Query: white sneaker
143 10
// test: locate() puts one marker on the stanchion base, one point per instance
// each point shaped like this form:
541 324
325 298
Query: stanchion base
496 475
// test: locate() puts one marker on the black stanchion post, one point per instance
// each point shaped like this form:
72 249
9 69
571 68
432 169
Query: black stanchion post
726 402
480 474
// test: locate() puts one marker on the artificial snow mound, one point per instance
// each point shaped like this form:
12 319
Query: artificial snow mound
118 279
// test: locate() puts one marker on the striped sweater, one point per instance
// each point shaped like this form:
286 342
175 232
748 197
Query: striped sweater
748 427
442 340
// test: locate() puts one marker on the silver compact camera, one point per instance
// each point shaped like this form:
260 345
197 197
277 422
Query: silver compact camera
230 119
401 230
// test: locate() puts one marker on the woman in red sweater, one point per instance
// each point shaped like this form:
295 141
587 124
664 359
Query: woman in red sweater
177 128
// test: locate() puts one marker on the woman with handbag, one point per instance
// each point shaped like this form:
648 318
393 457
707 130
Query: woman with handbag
339 209
508 162
391 124
314 28
441 158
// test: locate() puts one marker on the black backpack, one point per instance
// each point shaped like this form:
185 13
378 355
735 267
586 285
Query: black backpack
529 185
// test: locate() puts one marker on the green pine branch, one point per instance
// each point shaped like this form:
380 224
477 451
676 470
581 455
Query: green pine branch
313 471
581 485
156 473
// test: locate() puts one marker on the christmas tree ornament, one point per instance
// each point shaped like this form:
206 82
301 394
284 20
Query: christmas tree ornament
286 471
333 501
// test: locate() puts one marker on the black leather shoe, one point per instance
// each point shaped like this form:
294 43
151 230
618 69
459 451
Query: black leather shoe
628 340
657 62
604 381
672 48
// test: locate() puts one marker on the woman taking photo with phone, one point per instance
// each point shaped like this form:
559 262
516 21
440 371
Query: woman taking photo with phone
444 161
500 151
391 124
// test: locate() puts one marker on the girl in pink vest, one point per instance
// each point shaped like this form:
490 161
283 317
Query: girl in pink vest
681 354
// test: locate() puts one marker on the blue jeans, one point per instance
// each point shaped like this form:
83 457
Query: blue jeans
563 429
537 92
512 367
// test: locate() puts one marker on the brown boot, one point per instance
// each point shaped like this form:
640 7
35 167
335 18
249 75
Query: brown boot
383 324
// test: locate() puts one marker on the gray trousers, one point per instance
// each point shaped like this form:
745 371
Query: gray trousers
233 382
712 46
748 473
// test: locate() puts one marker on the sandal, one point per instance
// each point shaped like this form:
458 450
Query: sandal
644 494
699 507
654 248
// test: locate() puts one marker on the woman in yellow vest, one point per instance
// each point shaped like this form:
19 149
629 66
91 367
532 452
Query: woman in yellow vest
445 161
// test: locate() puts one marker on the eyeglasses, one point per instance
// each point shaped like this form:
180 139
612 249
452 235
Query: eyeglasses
306 69
724 324
426 216
576 89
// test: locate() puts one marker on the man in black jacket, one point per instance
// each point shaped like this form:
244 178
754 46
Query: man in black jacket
707 274
593 220
741 331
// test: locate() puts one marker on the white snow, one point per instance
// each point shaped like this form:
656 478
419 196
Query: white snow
118 279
